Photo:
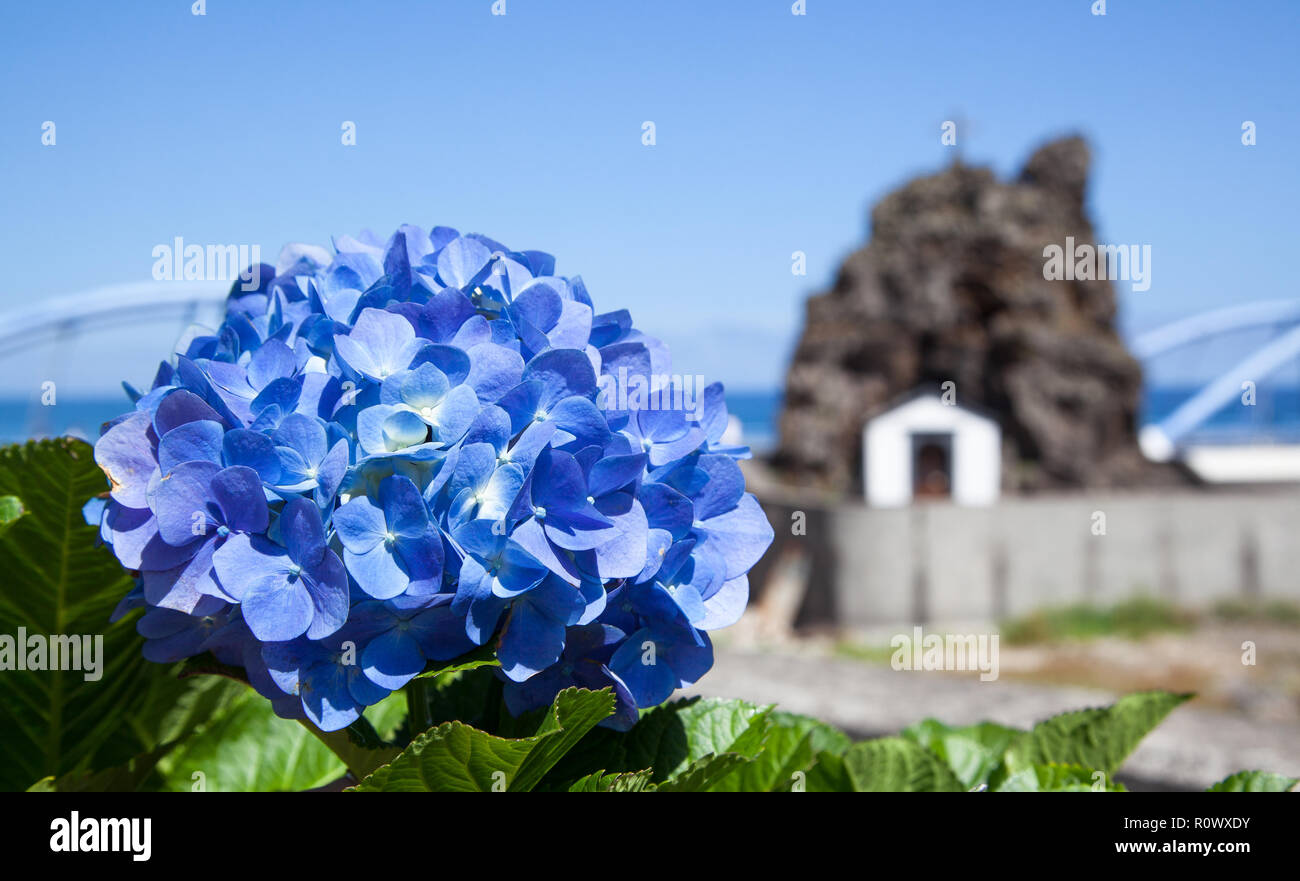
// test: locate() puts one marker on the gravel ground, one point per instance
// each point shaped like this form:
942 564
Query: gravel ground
1193 748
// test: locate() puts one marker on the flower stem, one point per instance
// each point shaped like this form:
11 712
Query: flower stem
417 707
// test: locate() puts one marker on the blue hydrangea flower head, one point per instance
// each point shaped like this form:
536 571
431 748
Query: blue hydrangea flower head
396 452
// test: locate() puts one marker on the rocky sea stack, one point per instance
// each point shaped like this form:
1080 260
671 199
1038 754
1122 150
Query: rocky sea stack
951 288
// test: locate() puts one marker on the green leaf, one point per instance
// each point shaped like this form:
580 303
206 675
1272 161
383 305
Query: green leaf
973 752
628 781
1097 738
702 774
11 508
206 665
791 746
247 748
457 690
827 774
1255 781
483 656
1060 778
358 746
573 713
672 737
122 778
180 706
170 712
454 757
670 740
58 582
388 715
602 751
889 764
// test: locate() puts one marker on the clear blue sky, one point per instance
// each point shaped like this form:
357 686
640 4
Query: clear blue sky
775 133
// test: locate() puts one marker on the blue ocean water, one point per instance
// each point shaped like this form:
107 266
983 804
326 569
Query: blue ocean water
24 418
1275 416
758 413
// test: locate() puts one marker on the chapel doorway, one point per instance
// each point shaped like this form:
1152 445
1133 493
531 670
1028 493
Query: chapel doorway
932 466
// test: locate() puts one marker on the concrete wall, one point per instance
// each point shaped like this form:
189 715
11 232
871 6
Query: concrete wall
942 563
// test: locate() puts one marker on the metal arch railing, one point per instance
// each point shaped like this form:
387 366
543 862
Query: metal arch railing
104 307
58 322
1269 313
1162 440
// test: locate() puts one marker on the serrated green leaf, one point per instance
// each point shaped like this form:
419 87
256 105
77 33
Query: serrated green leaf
1060 778
454 757
791 746
1099 738
702 774
602 751
673 736
889 764
826 774
58 582
1255 781
627 781
573 713
973 752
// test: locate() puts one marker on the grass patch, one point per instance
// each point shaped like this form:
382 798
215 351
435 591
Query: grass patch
874 654
1238 610
1133 618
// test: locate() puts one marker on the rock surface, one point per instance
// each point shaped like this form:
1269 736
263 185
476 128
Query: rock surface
951 287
